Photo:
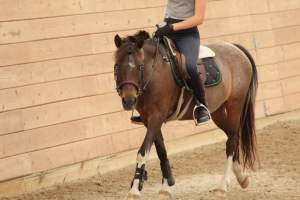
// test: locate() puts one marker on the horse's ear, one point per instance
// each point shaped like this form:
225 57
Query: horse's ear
141 36
118 41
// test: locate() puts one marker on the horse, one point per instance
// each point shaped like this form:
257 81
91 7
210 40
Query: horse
144 82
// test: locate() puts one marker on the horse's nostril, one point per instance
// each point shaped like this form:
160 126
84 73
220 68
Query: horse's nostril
129 102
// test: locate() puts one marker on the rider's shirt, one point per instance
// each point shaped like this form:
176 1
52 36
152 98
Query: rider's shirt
180 9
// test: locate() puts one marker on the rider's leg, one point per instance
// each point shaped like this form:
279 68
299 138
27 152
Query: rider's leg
188 43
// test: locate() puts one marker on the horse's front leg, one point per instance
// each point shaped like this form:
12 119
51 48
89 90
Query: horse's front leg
168 180
140 173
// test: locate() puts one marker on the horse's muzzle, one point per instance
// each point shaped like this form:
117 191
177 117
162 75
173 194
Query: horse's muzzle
129 102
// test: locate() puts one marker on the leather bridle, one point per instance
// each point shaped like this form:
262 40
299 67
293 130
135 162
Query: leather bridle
141 86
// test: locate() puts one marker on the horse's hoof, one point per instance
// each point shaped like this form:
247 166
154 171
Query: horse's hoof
245 183
171 181
133 197
164 195
219 192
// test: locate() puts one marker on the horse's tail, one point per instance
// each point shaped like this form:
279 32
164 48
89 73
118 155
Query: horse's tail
247 121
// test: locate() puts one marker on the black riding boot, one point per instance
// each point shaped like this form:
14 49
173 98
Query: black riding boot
201 113
136 120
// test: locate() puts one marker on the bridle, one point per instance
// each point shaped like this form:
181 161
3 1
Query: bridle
141 86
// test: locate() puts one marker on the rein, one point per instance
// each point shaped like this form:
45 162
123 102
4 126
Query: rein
153 64
141 86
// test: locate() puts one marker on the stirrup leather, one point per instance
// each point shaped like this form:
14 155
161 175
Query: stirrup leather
194 115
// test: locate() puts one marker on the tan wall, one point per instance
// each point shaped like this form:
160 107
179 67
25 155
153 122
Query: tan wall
57 100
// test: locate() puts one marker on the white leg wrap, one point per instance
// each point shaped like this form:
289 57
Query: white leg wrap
141 160
135 188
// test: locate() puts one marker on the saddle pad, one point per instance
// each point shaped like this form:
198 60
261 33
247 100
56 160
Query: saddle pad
213 74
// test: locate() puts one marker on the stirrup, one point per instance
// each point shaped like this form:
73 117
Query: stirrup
194 116
136 119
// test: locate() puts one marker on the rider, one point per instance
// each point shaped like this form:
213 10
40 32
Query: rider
182 18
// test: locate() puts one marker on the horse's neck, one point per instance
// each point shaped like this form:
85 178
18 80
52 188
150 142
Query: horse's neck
155 62
150 48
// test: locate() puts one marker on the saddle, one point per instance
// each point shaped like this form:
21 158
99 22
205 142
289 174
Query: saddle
208 68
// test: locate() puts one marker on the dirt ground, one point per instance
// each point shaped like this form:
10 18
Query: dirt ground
199 171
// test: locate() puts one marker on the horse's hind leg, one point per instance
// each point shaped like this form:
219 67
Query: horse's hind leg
233 149
168 179
220 118
229 121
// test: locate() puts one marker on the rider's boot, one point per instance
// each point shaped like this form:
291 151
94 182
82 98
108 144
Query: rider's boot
200 112
136 120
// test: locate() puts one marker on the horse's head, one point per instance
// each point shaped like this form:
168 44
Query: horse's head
129 67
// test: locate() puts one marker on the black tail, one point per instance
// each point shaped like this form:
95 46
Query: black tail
247 121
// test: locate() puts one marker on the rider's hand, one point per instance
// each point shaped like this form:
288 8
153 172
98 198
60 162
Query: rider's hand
164 30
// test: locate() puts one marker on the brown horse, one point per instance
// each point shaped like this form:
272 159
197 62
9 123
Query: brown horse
145 82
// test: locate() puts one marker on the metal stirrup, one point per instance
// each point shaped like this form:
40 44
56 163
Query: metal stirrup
198 106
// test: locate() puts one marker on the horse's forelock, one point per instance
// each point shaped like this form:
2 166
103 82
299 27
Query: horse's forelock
130 44
126 49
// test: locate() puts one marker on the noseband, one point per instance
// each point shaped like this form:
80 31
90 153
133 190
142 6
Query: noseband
139 86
